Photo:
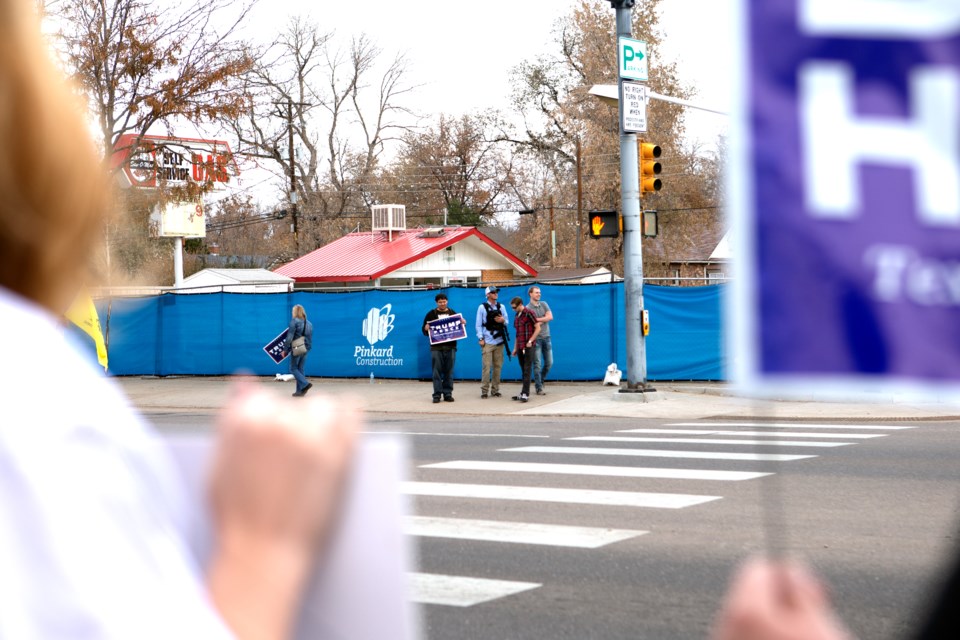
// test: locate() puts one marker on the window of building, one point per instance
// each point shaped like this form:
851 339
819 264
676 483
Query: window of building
395 282
716 275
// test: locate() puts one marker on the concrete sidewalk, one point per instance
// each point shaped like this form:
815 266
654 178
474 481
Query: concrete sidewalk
674 401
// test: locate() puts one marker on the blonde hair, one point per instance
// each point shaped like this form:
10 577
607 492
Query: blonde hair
299 312
52 185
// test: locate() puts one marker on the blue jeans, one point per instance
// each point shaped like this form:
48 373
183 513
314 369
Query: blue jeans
541 349
443 362
296 368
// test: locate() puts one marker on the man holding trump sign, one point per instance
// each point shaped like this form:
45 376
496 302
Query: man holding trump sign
443 326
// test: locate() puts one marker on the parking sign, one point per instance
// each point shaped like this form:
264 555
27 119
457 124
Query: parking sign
845 193
632 58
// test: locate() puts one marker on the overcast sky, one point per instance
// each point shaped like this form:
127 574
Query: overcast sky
462 52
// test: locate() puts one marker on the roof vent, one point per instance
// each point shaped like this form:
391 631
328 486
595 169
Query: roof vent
432 232
389 218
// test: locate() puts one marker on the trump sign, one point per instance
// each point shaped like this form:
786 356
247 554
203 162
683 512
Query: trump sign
845 191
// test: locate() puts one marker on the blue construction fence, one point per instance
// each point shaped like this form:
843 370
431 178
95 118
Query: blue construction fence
379 332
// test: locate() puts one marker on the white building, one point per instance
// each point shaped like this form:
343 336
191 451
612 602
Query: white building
235 281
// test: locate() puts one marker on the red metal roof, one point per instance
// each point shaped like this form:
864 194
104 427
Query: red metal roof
361 257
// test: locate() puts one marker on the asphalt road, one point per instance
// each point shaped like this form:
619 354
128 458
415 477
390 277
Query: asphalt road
874 516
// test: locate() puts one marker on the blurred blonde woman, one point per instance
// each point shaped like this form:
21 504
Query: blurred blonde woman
299 328
92 540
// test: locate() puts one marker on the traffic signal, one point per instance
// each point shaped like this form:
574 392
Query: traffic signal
604 224
649 167
649 223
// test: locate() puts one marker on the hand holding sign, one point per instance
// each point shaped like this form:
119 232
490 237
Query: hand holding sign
847 194
276 479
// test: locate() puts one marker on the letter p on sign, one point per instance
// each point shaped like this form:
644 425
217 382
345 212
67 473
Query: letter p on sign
632 56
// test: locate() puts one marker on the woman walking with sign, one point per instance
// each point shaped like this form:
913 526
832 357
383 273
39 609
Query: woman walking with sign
298 343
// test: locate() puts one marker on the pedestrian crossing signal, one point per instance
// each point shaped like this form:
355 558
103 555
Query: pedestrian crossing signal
604 224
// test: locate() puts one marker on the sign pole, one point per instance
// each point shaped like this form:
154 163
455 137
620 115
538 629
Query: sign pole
178 262
630 210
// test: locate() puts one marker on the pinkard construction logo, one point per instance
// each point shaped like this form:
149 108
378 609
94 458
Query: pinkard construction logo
378 324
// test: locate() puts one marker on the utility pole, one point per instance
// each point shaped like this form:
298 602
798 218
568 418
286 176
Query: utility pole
553 235
579 227
293 176
632 233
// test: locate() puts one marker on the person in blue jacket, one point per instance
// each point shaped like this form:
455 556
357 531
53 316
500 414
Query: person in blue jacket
493 335
299 327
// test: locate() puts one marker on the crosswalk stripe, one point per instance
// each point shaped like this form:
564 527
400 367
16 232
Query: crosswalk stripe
549 494
663 453
516 532
460 591
769 443
455 435
765 434
597 470
788 425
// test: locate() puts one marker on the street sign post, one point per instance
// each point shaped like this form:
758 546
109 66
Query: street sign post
632 58
845 193
632 62
634 107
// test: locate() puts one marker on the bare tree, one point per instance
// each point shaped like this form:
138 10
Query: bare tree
309 95
454 170
252 235
142 64
552 94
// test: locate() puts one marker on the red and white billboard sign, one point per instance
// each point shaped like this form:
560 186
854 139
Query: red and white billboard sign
153 161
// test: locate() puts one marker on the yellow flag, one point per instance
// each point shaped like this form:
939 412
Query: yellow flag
84 314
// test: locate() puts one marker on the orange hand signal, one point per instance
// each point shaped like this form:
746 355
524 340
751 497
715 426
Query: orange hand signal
597 224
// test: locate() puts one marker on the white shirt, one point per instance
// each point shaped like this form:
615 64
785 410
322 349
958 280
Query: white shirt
93 519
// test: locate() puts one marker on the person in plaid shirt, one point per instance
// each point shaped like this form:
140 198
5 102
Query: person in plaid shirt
527 330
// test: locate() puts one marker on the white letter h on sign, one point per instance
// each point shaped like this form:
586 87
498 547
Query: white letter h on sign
835 141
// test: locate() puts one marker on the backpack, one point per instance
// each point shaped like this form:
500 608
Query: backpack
495 328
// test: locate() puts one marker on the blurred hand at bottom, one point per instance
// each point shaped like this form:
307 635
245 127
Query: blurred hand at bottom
776 601
275 485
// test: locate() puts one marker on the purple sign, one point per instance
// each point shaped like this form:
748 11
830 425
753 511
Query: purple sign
846 192
274 348
446 329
